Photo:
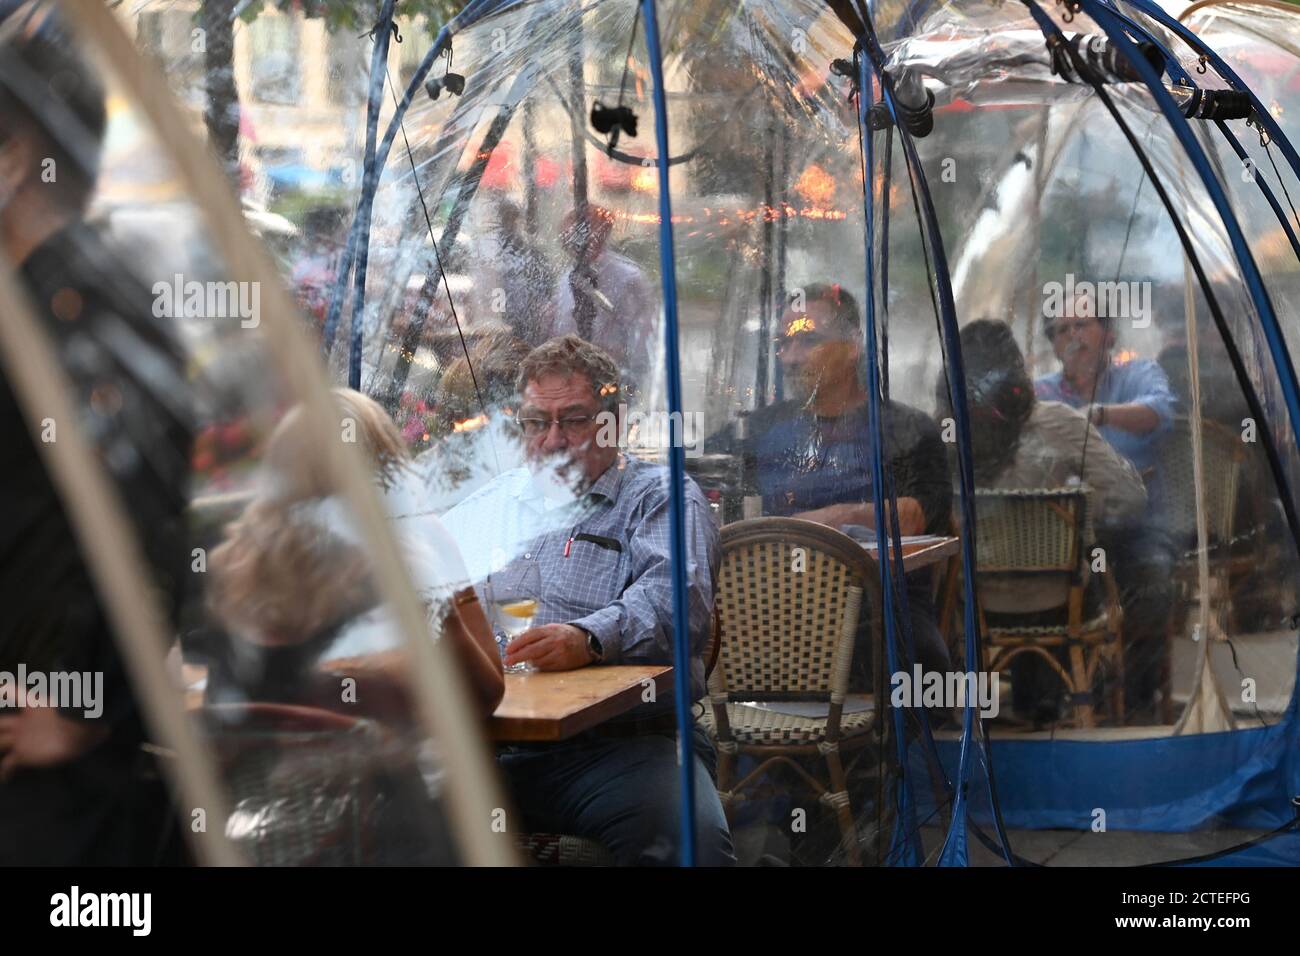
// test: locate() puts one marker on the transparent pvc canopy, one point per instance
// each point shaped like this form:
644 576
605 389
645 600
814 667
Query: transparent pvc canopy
285 600
1002 293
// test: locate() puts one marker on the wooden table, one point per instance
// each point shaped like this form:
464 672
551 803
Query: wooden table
921 554
555 705
544 706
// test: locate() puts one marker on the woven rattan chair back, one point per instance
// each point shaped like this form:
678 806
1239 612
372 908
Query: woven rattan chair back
299 782
785 591
1031 531
1223 452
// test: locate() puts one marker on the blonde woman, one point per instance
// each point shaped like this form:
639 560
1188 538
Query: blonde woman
292 585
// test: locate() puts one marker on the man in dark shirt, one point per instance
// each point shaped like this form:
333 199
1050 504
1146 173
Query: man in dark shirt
810 455
75 787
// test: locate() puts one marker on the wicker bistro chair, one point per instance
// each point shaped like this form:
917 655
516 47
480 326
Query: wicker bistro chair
787 622
302 782
1041 533
558 849
1224 458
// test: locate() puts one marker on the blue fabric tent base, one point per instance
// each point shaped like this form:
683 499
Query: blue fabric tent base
1242 778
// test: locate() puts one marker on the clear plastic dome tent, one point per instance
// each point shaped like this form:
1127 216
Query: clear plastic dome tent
270 594
1027 179
1015 281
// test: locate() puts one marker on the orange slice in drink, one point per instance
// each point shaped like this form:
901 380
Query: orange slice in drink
520 608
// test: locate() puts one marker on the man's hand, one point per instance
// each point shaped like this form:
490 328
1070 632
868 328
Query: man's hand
42 737
911 518
551 647
1133 417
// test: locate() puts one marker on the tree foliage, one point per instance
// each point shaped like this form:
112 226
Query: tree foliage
358 15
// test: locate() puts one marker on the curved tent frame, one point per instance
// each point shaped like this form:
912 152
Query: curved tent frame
874 72
1240 762
441 701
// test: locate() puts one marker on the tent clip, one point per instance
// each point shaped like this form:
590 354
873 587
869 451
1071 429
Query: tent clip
611 121
397 33
1263 133
846 69
453 83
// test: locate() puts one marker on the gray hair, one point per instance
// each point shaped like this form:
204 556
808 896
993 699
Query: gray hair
571 355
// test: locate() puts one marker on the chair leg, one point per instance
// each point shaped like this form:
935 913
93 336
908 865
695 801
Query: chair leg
1117 695
1177 628
839 798
1079 678
726 781
1167 680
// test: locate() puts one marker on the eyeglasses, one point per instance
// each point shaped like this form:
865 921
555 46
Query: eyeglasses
573 426
1060 328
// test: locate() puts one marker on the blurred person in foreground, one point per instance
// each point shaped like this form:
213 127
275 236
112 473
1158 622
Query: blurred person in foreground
1021 442
588 527
810 455
76 788
293 587
1132 406
303 623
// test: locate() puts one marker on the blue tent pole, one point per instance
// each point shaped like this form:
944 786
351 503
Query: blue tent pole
905 613
1184 78
676 449
1250 271
374 98
369 182
900 581
954 849
379 157
903 845
1262 114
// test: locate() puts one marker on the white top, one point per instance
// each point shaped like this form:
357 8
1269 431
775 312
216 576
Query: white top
430 553
625 327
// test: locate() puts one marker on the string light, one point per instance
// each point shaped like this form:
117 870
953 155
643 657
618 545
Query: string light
470 424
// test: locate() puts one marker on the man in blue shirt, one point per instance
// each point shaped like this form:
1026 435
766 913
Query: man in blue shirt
1132 406
1130 403
584 530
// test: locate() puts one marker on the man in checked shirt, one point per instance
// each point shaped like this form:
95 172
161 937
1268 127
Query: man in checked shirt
585 531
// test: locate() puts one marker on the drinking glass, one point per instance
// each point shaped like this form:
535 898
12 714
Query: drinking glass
515 599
